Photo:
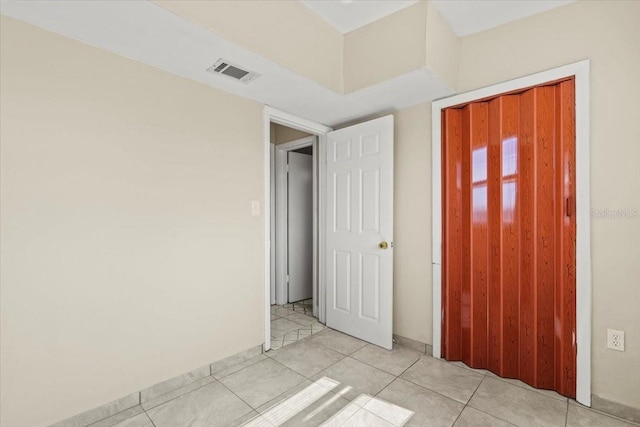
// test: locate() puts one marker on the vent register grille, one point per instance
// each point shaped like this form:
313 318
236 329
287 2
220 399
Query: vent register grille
225 68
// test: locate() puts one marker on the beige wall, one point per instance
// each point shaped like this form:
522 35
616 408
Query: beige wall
412 224
387 48
442 48
411 39
609 34
286 32
281 134
125 253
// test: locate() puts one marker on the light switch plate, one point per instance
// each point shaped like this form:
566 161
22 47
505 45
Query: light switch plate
255 208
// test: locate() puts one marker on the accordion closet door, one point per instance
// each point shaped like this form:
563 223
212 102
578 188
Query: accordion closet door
509 236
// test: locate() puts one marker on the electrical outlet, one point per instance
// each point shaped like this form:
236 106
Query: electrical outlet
615 339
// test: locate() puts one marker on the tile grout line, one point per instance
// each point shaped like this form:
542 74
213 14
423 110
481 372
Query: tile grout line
235 394
296 385
410 366
179 396
491 415
247 403
470 397
311 377
297 331
433 391
112 415
149 417
144 411
428 389
528 387
356 360
338 361
480 410
380 369
270 358
361 408
606 414
303 326
408 379
241 369
459 415
393 380
292 388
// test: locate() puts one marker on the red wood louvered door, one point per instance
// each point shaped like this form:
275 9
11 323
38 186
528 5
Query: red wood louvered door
509 301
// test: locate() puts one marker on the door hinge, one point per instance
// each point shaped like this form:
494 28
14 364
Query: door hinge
287 278
286 168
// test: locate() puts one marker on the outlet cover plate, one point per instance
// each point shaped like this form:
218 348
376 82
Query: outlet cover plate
615 339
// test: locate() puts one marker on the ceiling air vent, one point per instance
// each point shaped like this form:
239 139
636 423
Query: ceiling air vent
224 67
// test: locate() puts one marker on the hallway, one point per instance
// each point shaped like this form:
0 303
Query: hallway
292 322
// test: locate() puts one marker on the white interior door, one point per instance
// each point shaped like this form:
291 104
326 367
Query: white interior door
359 232
300 226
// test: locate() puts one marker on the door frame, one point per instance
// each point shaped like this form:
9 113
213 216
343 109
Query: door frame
579 70
272 221
270 115
281 236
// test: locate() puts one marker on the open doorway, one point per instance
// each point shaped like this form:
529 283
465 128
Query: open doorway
294 219
352 222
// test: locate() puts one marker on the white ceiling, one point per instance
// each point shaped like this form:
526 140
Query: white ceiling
147 33
472 16
348 15
464 16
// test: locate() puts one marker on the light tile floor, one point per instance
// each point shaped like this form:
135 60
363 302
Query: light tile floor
292 322
331 379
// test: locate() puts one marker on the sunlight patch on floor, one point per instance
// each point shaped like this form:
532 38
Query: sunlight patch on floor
364 410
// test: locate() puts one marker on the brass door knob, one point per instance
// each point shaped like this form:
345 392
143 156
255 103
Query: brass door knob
383 245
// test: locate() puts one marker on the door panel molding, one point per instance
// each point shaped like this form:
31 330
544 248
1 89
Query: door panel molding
580 71
360 233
